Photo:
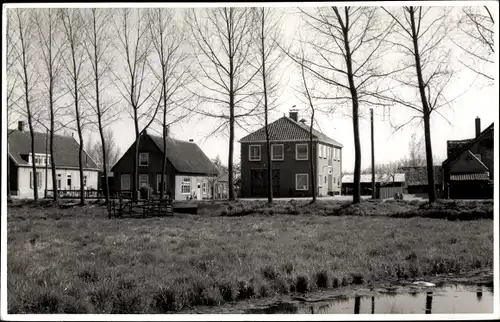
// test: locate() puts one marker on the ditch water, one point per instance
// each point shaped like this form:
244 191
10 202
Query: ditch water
447 299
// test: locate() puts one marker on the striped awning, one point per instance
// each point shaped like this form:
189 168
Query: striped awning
470 176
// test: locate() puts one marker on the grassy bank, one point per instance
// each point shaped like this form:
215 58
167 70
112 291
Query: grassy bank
444 209
77 261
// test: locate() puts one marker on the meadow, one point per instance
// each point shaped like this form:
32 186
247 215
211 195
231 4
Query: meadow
79 261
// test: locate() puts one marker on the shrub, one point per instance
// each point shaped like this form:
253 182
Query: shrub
321 279
302 284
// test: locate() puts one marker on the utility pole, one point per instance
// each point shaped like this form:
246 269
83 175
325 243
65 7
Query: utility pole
373 156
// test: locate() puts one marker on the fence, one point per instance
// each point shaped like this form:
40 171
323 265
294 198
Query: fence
388 192
88 194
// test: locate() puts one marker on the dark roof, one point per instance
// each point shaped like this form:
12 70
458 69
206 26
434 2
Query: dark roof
185 156
417 176
284 129
460 146
65 149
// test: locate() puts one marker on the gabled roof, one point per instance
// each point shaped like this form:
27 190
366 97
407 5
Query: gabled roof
65 149
186 157
458 147
417 176
284 129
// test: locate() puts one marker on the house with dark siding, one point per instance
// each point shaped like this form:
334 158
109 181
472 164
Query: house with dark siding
66 154
187 172
290 161
468 170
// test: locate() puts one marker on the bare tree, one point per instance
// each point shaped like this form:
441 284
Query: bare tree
135 84
421 32
416 152
223 39
268 27
98 42
52 47
74 62
113 152
26 70
167 39
347 47
477 25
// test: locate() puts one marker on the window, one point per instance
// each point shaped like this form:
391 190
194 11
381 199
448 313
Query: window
323 151
68 181
143 159
254 153
334 178
277 152
301 181
204 188
59 184
186 186
125 181
38 180
158 182
319 181
84 181
143 180
301 151
325 179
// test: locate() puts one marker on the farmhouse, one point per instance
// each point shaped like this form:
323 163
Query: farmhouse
188 170
468 170
290 160
65 159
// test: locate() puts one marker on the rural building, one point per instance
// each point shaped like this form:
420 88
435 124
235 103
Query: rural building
290 160
65 158
221 187
188 168
417 183
382 181
468 170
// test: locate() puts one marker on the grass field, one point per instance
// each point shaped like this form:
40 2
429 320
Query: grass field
78 261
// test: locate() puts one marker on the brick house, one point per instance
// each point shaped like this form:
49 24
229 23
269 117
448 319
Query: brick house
187 173
290 160
65 158
468 170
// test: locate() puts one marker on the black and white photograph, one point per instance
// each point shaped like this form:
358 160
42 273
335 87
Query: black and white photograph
250 161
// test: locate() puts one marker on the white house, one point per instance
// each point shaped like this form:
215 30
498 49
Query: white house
65 158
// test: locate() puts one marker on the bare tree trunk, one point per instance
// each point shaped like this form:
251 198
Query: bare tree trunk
426 110
24 62
311 160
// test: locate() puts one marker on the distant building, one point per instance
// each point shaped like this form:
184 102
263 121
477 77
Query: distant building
290 161
66 150
468 170
416 180
381 180
187 173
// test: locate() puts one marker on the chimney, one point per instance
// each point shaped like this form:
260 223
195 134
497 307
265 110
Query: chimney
190 140
478 126
20 126
293 114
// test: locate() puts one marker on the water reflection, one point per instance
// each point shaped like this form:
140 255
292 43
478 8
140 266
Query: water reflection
448 299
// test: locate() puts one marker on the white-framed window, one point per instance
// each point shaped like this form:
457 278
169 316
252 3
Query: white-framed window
84 181
334 179
301 181
277 152
158 182
38 180
186 186
254 153
68 181
319 181
143 159
143 180
204 188
325 179
125 181
301 151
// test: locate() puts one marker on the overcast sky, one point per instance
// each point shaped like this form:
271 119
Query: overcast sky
475 99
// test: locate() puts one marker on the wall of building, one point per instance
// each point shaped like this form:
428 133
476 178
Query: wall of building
329 171
196 187
25 191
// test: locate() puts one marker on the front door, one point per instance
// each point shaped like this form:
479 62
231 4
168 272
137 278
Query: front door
256 183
